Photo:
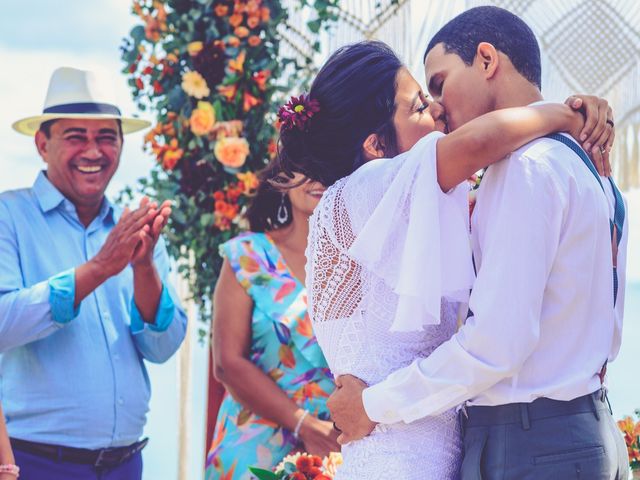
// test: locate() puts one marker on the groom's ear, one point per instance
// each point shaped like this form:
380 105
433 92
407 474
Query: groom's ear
487 59
373 147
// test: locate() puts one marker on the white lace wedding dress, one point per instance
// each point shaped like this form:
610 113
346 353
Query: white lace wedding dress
387 260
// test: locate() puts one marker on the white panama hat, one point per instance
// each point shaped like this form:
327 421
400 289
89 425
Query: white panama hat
77 93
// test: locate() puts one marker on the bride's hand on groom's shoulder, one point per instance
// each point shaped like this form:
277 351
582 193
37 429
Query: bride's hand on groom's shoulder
347 410
595 129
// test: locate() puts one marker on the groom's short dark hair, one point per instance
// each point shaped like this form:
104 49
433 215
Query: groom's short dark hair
507 32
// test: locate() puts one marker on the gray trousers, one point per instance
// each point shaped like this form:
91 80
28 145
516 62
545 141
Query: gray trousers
544 440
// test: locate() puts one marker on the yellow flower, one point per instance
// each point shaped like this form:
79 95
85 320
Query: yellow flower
202 119
232 151
249 181
331 463
195 85
194 48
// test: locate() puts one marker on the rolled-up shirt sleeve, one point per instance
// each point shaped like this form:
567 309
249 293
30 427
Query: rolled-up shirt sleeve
506 301
164 315
30 313
62 293
158 341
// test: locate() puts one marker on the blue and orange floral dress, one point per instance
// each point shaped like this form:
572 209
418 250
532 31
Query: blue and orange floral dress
283 346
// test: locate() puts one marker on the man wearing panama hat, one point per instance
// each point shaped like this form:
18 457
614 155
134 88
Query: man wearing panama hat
84 296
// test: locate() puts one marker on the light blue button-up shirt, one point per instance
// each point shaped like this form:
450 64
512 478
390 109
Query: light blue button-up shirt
73 377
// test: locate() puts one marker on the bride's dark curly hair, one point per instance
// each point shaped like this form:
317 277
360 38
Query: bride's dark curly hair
356 91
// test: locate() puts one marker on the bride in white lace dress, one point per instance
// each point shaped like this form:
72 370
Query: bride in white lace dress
388 257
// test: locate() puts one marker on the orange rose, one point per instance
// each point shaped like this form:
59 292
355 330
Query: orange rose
239 7
254 40
253 6
253 21
265 13
221 10
241 32
233 41
235 20
202 119
232 151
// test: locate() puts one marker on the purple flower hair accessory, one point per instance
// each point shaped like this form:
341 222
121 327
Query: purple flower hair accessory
297 112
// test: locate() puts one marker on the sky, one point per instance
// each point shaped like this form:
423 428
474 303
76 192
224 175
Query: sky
36 36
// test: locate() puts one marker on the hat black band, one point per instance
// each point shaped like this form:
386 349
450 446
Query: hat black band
85 108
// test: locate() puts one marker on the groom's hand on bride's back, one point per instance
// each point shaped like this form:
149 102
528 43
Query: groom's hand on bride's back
347 410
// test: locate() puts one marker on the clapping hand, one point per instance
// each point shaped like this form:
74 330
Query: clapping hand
149 234
121 243
133 238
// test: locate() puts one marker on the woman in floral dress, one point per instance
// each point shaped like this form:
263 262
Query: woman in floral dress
264 351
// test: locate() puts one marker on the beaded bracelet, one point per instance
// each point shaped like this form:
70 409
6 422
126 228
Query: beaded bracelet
10 469
296 432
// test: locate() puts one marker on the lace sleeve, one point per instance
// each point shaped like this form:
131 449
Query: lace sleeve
389 221
416 238
334 280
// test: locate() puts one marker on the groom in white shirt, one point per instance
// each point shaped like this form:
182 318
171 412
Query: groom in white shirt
528 364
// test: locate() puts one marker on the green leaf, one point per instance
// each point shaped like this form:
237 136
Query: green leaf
206 219
176 98
137 33
314 25
263 474
289 468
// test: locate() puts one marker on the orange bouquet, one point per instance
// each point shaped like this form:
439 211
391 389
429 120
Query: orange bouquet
302 466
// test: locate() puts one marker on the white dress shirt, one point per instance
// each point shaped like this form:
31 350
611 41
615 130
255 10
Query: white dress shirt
544 322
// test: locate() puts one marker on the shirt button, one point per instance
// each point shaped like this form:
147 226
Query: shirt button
120 401
106 315
116 357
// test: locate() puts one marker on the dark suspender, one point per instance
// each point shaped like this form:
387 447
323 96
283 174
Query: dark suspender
618 216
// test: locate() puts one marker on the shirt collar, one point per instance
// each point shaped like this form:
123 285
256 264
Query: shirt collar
49 198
